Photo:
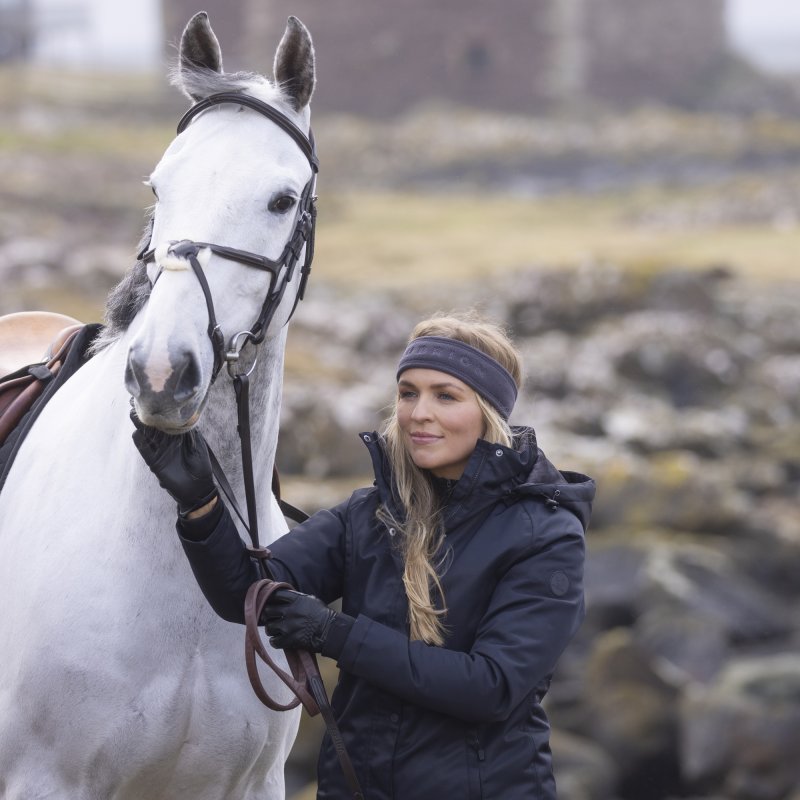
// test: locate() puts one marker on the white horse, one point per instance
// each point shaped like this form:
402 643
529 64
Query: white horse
117 681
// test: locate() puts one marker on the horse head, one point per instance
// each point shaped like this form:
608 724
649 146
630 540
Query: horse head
233 213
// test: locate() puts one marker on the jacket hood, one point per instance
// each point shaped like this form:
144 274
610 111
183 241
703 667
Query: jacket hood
495 472
571 490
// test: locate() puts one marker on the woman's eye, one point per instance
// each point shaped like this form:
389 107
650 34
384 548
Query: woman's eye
445 396
405 394
282 203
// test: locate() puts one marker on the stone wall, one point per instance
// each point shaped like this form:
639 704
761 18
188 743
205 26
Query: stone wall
679 392
669 51
379 57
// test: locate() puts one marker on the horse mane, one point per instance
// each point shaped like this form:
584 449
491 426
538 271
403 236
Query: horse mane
127 298
197 81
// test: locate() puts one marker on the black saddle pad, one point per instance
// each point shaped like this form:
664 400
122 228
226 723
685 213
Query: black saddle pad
78 355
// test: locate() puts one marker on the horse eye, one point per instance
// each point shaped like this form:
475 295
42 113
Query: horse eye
282 203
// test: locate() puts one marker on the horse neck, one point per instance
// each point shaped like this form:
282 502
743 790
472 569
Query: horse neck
219 421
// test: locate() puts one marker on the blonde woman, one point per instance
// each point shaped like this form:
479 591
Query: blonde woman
459 573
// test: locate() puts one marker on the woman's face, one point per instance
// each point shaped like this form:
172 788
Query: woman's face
440 420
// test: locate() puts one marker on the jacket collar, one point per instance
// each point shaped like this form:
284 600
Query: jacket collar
493 473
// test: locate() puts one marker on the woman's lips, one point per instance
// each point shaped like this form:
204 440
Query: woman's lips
424 438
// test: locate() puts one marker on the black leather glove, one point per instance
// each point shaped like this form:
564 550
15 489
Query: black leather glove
181 463
298 621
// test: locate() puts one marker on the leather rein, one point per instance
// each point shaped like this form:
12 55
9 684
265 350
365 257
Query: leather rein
304 681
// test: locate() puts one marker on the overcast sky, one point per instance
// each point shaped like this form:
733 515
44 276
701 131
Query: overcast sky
111 34
767 30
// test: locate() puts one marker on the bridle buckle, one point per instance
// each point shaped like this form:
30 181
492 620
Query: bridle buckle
233 357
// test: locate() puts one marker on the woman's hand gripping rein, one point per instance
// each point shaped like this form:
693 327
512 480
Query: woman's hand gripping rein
297 621
180 462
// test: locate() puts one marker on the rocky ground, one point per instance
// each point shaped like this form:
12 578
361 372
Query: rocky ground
680 393
678 389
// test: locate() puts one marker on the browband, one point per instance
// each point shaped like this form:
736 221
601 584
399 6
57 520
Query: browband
305 143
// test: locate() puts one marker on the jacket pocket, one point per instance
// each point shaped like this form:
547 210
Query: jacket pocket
475 759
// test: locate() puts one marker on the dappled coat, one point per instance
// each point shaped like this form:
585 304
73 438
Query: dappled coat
422 722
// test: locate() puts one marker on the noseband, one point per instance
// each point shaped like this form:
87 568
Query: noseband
281 270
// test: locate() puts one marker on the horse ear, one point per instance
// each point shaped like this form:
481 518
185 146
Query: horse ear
199 52
294 64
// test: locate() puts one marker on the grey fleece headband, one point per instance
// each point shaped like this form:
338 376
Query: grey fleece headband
479 371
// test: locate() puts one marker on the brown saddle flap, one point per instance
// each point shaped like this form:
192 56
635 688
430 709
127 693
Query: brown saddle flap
27 337
40 341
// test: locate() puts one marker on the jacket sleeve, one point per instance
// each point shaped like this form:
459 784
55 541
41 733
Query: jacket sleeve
220 563
536 608
309 557
312 555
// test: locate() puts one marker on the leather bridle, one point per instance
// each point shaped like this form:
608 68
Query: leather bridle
281 270
305 681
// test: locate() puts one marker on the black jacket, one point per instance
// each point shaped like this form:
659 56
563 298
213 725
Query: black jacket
423 722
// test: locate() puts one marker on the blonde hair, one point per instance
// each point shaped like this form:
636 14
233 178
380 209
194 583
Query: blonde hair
421 532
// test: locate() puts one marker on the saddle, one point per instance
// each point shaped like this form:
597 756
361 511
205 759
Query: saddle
42 350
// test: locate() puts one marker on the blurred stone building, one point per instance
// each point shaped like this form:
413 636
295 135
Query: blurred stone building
15 29
379 57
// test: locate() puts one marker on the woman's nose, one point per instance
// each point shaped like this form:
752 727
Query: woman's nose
421 409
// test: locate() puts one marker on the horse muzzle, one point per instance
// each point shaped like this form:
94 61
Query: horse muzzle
168 393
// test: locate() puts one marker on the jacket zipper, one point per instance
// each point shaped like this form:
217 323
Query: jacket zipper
475 782
475 743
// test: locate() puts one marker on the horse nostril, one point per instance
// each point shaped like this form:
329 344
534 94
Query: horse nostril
133 382
188 381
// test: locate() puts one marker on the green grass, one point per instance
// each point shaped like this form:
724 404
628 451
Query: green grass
390 239
385 238
144 141
72 88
